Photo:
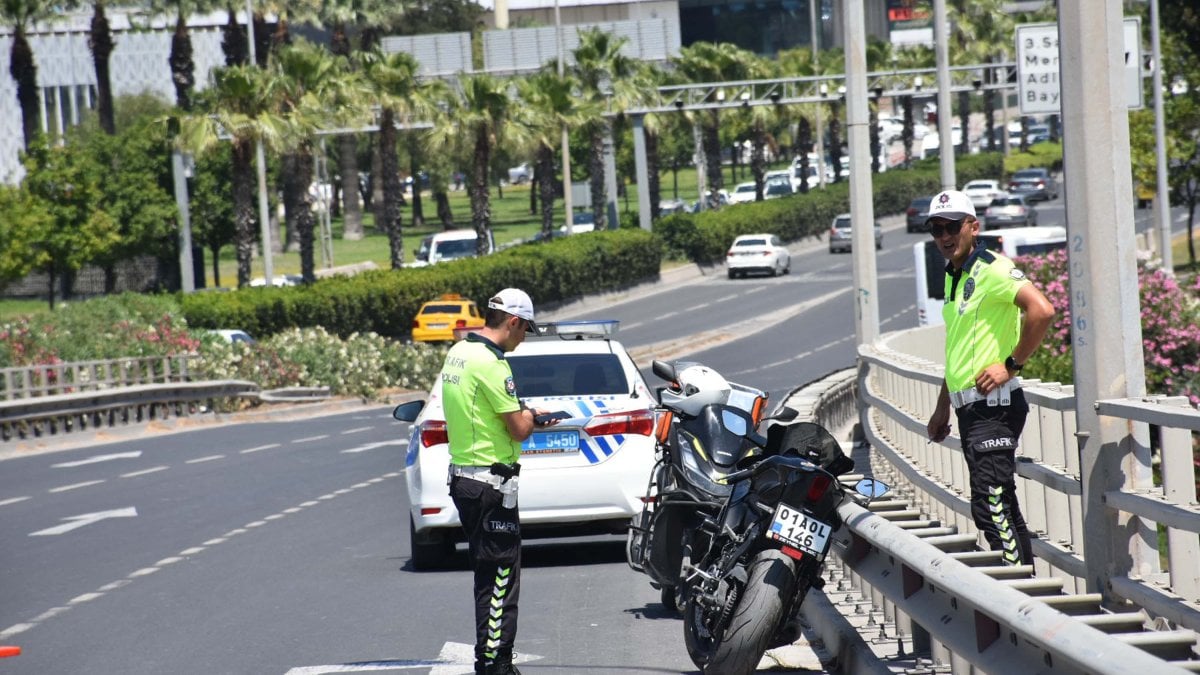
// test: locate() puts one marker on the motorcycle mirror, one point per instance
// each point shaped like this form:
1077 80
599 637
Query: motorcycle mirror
784 415
871 488
663 369
407 412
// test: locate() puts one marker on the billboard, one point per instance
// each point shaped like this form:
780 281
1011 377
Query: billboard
910 21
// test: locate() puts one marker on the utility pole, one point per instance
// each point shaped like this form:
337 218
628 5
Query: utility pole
820 130
264 215
568 198
1162 202
862 210
180 172
944 114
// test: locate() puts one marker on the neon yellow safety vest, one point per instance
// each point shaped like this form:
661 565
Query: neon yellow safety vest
477 390
982 323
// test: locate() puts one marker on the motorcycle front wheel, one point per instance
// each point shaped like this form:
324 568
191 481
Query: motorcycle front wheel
735 646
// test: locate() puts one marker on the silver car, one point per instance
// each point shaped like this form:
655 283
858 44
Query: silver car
840 235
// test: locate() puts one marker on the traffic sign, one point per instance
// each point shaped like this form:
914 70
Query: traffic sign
1038 67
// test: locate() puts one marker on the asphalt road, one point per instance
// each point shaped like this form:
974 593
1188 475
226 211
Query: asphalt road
282 547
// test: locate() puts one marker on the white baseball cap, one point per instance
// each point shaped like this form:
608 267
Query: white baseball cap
516 302
951 205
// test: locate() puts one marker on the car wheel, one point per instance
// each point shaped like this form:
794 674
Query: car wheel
732 274
430 549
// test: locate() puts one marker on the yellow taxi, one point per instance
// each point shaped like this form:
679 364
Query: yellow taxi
445 319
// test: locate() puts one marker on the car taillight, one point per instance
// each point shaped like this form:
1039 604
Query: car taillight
416 324
433 432
639 422
818 486
912 211
729 254
1041 184
833 231
461 323
766 253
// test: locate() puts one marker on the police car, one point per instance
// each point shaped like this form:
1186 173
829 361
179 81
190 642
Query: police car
585 475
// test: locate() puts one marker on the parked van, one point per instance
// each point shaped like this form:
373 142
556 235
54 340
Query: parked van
931 266
449 245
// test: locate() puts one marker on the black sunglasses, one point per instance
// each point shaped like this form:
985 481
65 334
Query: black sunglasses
951 227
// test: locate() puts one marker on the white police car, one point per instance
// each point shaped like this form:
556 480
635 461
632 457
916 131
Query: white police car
585 475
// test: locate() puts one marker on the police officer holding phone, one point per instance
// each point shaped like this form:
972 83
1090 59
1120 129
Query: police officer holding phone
987 344
486 423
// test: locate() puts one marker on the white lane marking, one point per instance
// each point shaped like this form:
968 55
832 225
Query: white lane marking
355 431
261 447
455 658
74 522
630 326
210 458
668 315
372 446
311 438
79 521
143 472
98 458
64 488
15 629
12 500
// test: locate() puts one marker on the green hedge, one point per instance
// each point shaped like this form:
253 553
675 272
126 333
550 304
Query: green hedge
1047 154
705 237
386 301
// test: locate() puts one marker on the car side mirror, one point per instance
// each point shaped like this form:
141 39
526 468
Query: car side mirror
407 412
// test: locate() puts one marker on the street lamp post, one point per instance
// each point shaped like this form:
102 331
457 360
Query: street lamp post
1162 203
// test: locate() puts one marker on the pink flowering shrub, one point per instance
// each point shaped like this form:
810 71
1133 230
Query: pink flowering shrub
1170 327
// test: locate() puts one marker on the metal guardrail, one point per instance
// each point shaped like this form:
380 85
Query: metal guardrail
934 595
64 413
22 382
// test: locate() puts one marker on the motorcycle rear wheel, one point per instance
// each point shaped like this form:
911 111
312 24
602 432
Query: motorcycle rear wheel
737 647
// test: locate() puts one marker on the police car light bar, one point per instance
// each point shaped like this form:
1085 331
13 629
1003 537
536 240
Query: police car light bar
579 330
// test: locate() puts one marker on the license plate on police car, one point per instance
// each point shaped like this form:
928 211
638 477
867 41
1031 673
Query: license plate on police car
548 442
800 530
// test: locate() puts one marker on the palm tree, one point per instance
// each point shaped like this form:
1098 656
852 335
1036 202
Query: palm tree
181 61
239 105
100 42
20 15
983 34
340 16
482 115
393 84
648 79
234 41
703 62
316 89
799 63
603 73
550 103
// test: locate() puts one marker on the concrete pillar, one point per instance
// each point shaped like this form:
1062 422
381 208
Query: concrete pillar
643 174
1105 309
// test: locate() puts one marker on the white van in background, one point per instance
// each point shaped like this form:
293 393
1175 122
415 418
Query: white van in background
449 245
931 266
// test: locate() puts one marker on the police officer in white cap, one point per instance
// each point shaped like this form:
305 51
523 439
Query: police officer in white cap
987 344
485 423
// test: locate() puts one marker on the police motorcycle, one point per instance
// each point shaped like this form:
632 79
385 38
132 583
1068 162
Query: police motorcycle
694 452
767 544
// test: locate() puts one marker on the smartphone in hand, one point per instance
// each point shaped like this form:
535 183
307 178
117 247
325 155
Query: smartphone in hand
543 419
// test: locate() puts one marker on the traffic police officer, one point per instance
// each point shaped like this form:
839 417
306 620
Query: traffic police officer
485 423
987 343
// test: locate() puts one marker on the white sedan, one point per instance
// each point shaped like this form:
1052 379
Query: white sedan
744 193
585 475
982 192
757 253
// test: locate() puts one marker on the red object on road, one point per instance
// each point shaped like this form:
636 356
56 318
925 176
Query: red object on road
9 651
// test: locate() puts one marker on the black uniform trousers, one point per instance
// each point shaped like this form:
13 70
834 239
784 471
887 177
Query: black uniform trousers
494 545
989 442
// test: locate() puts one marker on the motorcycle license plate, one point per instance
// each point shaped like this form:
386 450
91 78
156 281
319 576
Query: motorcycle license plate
799 530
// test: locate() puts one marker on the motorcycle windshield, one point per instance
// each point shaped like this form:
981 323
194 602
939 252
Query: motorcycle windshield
811 441
721 433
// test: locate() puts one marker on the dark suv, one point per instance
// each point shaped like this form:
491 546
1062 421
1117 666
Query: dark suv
1034 184
917 212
